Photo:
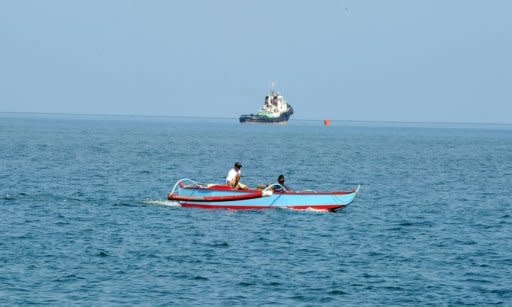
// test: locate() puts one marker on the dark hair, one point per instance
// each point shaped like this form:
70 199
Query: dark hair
280 178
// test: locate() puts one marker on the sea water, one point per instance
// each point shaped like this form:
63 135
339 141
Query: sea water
84 218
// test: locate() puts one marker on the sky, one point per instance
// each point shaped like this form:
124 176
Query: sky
396 60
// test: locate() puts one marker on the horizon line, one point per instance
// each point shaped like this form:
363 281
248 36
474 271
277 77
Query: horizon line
225 117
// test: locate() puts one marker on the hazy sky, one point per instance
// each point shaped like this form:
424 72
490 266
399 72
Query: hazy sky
448 61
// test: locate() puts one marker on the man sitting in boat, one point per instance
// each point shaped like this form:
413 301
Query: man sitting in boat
233 178
281 187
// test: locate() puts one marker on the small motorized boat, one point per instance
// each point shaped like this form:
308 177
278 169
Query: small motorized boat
189 193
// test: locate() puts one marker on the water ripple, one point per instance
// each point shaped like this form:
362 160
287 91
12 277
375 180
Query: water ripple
431 226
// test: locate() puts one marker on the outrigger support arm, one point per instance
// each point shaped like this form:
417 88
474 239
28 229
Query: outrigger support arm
269 188
194 183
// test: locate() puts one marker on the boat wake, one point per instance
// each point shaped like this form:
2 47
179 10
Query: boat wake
159 202
313 210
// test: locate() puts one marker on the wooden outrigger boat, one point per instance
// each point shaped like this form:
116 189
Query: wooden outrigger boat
189 193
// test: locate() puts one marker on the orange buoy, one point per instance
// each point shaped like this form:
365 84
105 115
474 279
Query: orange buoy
327 122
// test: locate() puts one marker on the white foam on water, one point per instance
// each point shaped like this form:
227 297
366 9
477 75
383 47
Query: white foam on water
317 210
308 210
160 202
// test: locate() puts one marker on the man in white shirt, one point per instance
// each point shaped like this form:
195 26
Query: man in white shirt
233 178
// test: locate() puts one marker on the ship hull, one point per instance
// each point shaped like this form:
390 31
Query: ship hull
255 118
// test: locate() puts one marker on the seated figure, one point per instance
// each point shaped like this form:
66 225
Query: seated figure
282 187
233 177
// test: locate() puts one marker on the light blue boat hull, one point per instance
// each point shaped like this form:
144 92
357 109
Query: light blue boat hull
198 197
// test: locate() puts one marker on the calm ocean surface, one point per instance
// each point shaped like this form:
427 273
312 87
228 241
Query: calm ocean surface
84 218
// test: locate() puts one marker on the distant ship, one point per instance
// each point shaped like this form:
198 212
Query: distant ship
274 110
